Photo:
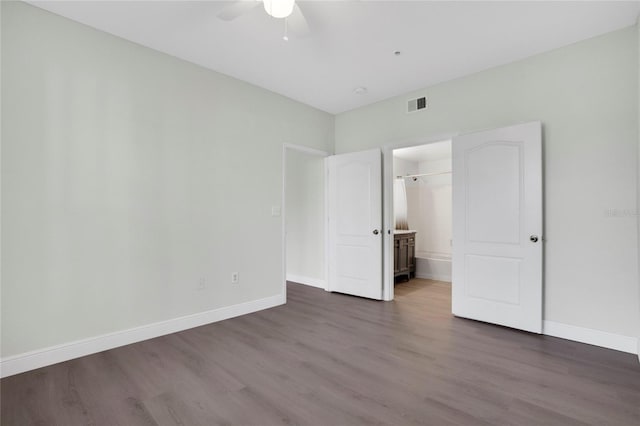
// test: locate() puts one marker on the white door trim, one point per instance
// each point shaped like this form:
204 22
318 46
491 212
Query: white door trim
387 204
283 212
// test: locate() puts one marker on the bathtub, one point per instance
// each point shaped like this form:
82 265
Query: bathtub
433 266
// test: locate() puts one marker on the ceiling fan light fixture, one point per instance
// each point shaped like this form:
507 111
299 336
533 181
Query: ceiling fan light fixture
279 8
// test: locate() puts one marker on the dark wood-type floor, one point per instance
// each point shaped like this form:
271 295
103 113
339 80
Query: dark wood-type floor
330 359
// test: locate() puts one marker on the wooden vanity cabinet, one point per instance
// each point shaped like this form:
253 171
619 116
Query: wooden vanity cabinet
404 254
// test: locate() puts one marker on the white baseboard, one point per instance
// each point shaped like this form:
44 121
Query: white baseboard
590 336
64 352
52 355
313 282
446 278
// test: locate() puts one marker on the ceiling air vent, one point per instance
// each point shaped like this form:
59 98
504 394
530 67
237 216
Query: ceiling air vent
415 105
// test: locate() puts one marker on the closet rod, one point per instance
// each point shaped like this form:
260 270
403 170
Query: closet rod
424 174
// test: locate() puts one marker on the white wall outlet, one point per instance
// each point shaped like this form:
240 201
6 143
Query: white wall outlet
276 211
235 277
202 282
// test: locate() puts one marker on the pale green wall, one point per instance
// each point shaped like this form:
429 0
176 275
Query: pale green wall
127 175
587 99
305 216
638 171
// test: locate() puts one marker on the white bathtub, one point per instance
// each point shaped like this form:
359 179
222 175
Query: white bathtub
433 266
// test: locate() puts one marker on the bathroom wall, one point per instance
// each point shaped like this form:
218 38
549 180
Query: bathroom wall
435 209
433 249
403 167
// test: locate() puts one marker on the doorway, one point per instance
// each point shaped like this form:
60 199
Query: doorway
496 224
422 213
303 216
496 244
407 161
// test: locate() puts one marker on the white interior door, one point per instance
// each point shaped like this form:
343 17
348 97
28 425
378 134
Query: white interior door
497 226
355 220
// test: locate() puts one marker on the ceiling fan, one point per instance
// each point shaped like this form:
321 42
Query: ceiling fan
282 9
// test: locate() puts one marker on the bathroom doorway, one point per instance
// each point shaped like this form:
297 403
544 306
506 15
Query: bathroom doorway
422 212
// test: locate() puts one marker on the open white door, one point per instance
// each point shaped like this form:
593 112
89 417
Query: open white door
497 226
355 220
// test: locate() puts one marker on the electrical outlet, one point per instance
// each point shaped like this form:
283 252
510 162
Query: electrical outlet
202 283
235 277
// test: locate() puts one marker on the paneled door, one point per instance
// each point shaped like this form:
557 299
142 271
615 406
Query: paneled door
355 223
497 226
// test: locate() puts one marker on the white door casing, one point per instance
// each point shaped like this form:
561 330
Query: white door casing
355 223
497 226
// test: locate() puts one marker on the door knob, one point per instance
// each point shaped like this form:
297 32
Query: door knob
376 232
533 238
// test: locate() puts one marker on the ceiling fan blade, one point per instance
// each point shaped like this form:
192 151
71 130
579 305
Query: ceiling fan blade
237 9
297 23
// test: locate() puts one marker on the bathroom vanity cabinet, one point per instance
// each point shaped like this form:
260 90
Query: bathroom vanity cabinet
404 254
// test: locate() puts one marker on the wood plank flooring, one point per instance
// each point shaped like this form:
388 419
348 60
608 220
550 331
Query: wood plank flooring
331 359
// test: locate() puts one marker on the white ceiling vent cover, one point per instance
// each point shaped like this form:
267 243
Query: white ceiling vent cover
418 104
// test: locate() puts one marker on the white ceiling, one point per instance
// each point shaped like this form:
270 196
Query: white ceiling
351 43
430 152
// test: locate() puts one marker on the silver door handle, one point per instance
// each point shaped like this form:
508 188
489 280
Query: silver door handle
533 238
376 232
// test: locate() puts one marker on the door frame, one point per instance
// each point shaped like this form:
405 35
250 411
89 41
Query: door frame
283 213
387 203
